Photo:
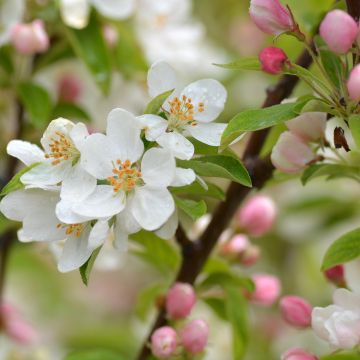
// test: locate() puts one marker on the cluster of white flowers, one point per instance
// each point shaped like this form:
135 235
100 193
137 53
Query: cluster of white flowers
83 188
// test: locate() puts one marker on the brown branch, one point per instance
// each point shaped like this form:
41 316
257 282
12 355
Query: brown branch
195 254
353 8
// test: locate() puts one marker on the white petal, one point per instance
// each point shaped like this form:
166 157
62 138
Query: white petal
78 134
26 152
126 221
98 154
78 184
46 174
153 125
183 177
180 146
75 13
121 239
209 92
115 9
75 253
207 133
124 130
98 234
161 77
158 167
318 318
102 203
64 212
152 207
168 230
59 125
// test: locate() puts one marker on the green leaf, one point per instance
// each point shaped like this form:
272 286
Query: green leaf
344 249
89 45
85 269
6 60
37 103
197 190
70 111
236 311
147 298
252 63
332 171
94 354
257 119
155 104
194 209
158 252
219 166
342 356
354 123
15 183
217 305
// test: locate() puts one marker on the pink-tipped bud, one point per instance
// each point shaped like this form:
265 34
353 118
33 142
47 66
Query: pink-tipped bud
272 60
336 275
111 35
297 354
194 336
291 154
272 17
339 31
29 39
267 289
257 215
250 256
353 83
180 300
164 342
235 246
296 311
309 126
69 88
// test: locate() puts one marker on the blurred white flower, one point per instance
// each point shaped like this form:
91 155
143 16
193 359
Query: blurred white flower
11 13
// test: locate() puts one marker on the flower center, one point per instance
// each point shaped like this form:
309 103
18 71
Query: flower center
61 148
72 229
126 176
182 112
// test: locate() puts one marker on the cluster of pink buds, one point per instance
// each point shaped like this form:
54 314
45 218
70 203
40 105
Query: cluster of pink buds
292 152
29 39
298 354
192 337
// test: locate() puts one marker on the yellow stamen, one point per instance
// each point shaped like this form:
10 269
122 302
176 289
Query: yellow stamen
126 176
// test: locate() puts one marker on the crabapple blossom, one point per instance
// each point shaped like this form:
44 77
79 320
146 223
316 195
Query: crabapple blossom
296 311
189 112
309 126
291 154
257 215
353 83
272 60
180 300
339 30
336 275
194 336
271 17
297 354
164 342
339 324
267 289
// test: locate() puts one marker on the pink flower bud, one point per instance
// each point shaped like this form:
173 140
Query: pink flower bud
257 215
29 39
309 126
194 336
267 289
291 154
235 246
339 31
164 342
272 17
296 311
111 35
69 88
336 275
353 83
250 256
180 300
272 60
297 354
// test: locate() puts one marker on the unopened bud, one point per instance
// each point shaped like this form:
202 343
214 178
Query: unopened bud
272 60
164 342
267 289
194 336
336 275
296 311
69 88
111 35
353 83
180 300
297 354
235 246
250 256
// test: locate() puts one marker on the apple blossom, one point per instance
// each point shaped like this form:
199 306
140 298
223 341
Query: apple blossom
339 30
164 342
296 311
336 275
180 300
297 354
291 154
353 83
267 289
272 60
194 336
189 112
339 324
